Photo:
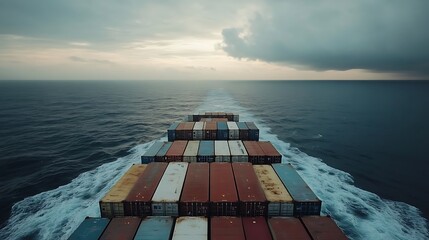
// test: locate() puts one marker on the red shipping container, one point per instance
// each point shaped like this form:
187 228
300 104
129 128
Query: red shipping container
323 228
121 228
251 196
175 152
256 154
285 228
256 228
195 194
271 153
138 201
223 193
210 130
226 228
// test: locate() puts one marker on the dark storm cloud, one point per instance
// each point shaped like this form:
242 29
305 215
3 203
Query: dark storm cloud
383 35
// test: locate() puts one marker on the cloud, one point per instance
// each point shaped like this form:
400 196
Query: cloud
380 36
87 60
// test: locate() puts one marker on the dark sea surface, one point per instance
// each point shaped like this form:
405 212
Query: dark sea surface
362 146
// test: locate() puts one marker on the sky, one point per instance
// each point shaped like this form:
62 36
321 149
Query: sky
214 40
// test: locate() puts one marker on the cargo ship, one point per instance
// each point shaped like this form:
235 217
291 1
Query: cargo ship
213 179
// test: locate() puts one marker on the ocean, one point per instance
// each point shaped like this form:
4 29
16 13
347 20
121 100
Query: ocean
362 146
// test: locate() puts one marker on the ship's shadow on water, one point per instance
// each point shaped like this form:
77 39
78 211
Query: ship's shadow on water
55 214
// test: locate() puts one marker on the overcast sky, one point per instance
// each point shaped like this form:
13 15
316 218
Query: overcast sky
240 39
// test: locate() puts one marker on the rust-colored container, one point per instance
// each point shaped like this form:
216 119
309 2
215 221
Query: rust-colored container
219 119
256 154
210 130
271 153
175 152
223 193
256 228
285 228
226 228
195 194
322 228
184 131
251 196
138 201
121 228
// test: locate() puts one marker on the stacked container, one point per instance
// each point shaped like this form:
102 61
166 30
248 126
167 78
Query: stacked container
256 228
206 151
138 201
171 132
223 194
175 152
253 131
243 131
198 132
160 156
111 205
287 228
233 131
191 151
195 196
194 228
226 228
222 153
323 228
150 154
270 152
280 202
210 130
121 228
238 151
222 131
155 228
90 229
305 201
251 196
256 154
166 198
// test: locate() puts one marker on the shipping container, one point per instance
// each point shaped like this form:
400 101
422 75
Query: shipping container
226 228
305 201
222 153
233 131
222 131
111 205
256 154
191 151
160 156
243 131
205 119
236 118
230 116
251 196
271 153
238 151
280 202
155 228
210 130
285 228
322 228
171 132
90 229
150 154
198 131
138 201
123 228
195 195
206 151
166 198
175 152
256 228
186 228
219 119
223 193
253 131
184 131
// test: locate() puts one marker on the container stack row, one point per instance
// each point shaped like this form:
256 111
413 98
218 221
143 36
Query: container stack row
207 116
214 228
213 130
210 189
255 152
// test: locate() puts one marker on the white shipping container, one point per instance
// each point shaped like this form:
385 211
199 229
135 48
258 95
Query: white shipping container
238 151
222 153
195 228
198 131
233 131
166 197
191 151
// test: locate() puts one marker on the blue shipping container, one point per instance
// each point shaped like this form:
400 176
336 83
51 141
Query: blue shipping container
171 132
243 131
160 156
155 228
90 229
206 151
253 131
306 202
222 131
150 154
